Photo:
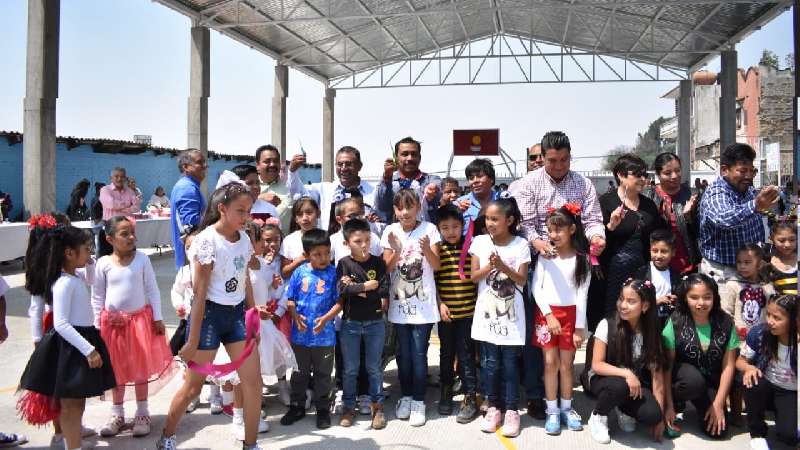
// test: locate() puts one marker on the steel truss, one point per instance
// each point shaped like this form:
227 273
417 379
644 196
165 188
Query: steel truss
459 65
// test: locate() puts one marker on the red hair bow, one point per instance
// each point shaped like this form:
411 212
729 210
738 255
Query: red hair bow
42 222
573 208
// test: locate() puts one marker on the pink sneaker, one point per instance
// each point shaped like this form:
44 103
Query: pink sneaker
511 424
491 421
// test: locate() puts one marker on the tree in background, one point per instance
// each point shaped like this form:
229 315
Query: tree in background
648 145
769 58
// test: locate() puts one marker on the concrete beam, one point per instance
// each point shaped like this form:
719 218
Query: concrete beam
199 91
279 108
327 134
39 118
727 100
684 144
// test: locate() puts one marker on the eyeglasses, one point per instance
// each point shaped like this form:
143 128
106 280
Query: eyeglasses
534 157
638 173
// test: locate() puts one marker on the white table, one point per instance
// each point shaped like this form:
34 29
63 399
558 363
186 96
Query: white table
13 240
149 232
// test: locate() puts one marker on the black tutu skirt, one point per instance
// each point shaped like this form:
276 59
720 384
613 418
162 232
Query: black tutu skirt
57 369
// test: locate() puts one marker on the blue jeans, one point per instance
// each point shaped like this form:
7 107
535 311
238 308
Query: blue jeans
222 324
412 358
372 332
532 358
502 370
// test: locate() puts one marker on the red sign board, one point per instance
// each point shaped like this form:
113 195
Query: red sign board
476 142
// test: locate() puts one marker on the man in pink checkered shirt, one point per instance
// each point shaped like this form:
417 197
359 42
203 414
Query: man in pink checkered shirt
552 186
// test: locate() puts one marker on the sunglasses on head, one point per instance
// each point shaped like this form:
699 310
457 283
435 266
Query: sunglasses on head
638 173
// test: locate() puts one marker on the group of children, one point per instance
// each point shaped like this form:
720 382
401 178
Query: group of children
316 297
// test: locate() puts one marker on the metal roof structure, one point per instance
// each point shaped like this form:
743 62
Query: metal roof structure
367 43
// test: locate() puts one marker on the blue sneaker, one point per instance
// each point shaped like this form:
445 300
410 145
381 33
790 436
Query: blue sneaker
552 425
572 419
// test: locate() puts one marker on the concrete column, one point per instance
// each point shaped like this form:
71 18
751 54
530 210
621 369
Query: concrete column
327 134
684 144
199 91
279 108
39 121
727 101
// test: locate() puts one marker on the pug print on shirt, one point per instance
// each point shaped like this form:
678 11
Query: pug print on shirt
413 290
499 312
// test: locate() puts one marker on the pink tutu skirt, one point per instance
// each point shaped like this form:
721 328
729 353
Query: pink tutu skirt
138 355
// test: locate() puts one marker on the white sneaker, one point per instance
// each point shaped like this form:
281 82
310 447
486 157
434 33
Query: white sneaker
338 404
284 392
87 432
626 422
113 426
237 429
417 417
759 444
193 405
167 443
309 398
215 404
365 405
141 426
598 426
403 410
263 426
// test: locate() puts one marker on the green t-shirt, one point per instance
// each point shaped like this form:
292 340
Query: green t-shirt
703 334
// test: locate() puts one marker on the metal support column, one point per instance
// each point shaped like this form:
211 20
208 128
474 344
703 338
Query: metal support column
327 134
684 147
728 77
39 121
199 91
279 108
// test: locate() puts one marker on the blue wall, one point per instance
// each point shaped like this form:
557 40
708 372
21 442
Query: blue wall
149 169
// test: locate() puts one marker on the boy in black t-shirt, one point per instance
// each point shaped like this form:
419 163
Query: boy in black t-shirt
364 287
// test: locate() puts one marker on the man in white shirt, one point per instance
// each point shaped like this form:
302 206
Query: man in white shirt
348 166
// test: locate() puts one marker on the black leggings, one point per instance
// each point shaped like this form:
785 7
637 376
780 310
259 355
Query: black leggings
689 385
613 392
765 396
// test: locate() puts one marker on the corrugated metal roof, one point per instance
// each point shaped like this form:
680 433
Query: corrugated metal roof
328 39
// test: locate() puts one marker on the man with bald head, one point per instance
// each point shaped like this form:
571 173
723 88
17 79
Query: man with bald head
535 158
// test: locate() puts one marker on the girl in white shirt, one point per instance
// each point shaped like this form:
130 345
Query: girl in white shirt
500 267
127 309
305 213
219 255
560 287
71 362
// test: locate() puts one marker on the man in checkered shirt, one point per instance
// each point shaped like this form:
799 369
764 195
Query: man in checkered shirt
727 212
552 186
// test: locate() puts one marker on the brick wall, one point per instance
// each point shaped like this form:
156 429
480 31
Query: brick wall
775 118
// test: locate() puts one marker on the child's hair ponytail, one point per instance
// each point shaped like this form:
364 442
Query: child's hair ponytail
568 215
45 260
508 204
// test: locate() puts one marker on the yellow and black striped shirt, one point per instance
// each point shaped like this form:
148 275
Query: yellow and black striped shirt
785 282
459 295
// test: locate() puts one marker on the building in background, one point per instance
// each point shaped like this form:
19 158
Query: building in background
763 120
93 159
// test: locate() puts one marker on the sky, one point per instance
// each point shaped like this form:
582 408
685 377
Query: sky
124 70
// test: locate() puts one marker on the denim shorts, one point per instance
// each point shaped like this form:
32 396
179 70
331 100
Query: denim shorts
222 324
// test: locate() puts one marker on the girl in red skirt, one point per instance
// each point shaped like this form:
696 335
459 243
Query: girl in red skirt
127 308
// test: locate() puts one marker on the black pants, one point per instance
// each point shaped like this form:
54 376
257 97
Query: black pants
765 396
532 357
689 385
613 392
456 342
362 386
319 362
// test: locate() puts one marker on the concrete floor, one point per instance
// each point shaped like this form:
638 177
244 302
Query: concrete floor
200 430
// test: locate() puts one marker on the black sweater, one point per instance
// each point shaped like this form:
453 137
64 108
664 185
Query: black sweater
354 305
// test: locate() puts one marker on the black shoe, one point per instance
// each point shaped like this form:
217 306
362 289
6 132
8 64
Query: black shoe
536 409
468 410
323 419
295 413
446 401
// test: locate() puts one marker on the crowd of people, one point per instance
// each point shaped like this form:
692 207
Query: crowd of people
679 297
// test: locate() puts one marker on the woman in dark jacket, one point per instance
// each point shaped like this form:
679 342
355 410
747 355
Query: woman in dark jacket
629 217
678 207
78 210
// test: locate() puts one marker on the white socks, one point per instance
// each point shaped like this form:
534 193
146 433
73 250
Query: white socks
552 406
566 405
238 415
117 410
141 409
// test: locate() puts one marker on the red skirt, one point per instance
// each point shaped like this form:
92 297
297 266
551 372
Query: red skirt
138 355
